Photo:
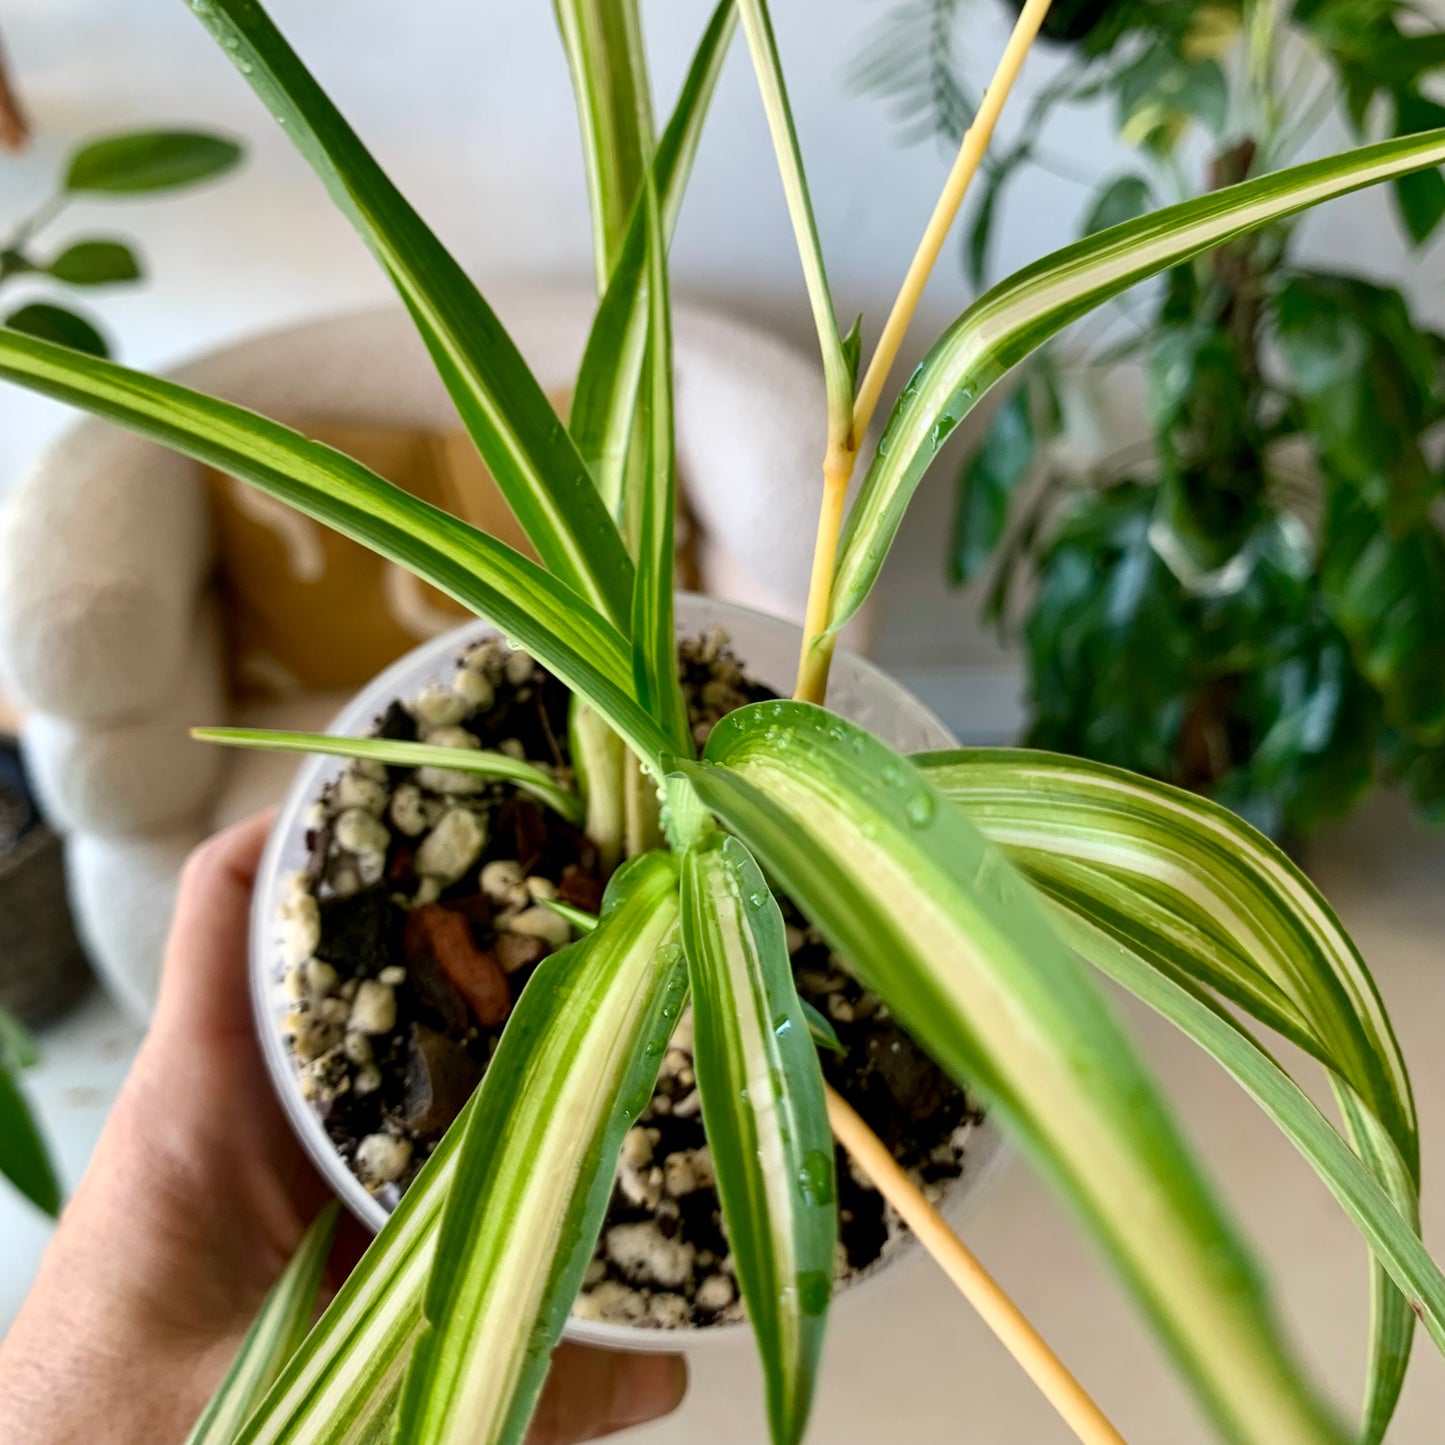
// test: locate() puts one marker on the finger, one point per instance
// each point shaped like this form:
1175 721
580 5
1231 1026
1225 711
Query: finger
203 985
591 1393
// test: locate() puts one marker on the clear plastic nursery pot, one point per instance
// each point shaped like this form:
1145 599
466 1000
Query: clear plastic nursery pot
769 649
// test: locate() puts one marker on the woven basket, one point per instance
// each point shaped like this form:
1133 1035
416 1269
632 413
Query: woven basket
42 966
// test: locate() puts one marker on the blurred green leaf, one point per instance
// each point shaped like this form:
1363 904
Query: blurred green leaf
1110 637
1367 379
979 235
55 323
95 263
1162 92
1386 589
853 348
24 1159
155 160
1119 200
1420 197
989 482
17 1048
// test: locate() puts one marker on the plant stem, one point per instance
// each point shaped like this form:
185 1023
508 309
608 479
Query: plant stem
978 1287
817 651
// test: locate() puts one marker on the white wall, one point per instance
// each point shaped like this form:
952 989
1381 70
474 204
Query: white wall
468 105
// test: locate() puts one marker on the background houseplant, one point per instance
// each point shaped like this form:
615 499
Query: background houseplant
875 847
1253 602
123 165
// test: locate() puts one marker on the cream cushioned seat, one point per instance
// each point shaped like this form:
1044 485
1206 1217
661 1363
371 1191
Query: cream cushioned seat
109 639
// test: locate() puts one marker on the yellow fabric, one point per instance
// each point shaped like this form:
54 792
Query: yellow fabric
306 610
310 611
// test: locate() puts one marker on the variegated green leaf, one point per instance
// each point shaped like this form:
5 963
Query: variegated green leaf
1391 1234
962 950
536 466
532 607
768 66
654 644
603 41
24 1159
1204 898
765 1115
577 1063
605 398
275 1336
482 761
600 761
341 1386
1019 314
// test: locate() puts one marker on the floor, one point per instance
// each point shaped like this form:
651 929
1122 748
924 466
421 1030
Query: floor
908 1362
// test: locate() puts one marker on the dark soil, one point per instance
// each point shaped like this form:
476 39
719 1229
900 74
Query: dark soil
416 924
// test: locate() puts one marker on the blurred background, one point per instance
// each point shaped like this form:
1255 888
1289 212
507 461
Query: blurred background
470 109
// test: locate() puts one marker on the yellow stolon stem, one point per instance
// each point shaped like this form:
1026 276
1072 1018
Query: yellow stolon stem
975 1284
817 652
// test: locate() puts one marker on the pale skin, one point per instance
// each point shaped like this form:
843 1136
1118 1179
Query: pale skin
196 1197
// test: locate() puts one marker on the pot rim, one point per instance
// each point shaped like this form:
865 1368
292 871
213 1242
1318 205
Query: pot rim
988 1151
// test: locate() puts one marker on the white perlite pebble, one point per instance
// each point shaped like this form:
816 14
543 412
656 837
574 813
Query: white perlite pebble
611 1301
596 1273
452 782
687 1171
668 1311
451 847
519 669
472 685
300 928
540 923
374 1009
643 1252
682 1034
453 737
368 1079
380 1158
317 1030
513 748
438 706
540 888
313 979
392 975
362 833
715 1293
355 790
357 1048
500 877
689 1105
408 810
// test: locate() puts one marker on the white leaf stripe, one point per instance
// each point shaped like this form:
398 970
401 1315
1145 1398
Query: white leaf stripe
1391 1235
272 1339
1021 313
763 45
766 1119
603 41
483 761
608 379
529 605
1217 872
508 415
576 1064
334 1386
961 950
1188 886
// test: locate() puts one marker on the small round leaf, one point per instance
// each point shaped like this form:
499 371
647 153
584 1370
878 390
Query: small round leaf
157 160
95 263
55 323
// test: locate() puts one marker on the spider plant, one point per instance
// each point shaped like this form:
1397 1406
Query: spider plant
976 892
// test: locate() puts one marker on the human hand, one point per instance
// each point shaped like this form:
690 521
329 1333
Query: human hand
196 1197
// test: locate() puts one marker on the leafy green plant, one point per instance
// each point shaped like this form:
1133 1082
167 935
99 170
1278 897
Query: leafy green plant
1252 604
24 1158
125 165
971 890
